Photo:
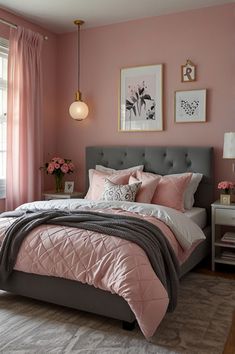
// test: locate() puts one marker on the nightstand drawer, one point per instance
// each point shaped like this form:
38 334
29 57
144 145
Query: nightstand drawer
225 217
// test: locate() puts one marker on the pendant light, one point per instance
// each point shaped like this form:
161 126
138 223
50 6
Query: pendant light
78 109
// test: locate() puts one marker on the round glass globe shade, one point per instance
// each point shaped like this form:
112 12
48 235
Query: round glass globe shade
78 110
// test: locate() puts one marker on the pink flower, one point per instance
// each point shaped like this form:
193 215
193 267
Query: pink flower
51 167
61 161
58 165
71 166
65 168
226 185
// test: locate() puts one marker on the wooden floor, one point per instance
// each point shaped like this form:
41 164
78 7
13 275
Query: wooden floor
223 271
230 343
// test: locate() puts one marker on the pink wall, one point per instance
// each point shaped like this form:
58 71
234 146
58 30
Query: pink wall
49 83
205 36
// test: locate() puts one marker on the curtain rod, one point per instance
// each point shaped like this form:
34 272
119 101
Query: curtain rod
13 25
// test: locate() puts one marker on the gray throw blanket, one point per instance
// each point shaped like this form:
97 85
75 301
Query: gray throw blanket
143 233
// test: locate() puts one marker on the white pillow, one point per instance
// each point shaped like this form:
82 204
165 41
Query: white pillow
120 192
112 170
190 189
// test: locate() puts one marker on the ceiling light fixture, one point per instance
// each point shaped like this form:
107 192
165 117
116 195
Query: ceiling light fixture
78 109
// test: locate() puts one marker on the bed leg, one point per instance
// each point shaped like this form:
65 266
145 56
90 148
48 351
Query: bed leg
128 326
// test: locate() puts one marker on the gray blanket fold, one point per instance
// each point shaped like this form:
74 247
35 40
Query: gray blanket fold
148 236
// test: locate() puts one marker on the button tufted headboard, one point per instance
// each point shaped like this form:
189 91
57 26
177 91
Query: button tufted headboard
161 160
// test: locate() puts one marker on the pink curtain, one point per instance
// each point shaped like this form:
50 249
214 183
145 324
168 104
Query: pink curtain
24 118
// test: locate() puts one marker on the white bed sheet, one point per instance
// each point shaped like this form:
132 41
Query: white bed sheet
185 230
198 215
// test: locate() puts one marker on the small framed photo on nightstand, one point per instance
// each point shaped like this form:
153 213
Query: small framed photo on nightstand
225 199
68 187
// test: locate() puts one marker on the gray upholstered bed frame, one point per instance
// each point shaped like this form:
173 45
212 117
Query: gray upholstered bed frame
162 160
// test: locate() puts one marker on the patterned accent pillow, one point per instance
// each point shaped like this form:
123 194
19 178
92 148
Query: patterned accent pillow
120 192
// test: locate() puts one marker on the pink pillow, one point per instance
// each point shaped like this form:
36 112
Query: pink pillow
97 180
148 186
170 191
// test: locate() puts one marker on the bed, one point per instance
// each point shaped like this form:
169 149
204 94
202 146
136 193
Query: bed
160 160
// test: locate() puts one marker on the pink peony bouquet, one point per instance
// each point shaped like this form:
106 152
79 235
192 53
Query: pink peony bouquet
58 166
226 186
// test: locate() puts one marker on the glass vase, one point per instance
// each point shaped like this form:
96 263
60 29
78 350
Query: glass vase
59 183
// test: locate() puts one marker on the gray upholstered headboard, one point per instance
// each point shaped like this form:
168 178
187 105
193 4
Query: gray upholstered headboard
161 160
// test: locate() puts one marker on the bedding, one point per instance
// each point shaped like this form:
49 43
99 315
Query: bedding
97 180
170 191
112 170
106 262
123 192
198 215
186 231
190 189
148 186
175 190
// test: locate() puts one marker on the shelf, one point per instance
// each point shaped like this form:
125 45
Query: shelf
225 244
230 236
224 261
223 241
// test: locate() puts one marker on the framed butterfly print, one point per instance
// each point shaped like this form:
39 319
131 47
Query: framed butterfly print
190 106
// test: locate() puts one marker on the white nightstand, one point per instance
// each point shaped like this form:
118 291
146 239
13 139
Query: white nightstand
61 195
223 251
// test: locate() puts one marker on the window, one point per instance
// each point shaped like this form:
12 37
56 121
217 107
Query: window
3 114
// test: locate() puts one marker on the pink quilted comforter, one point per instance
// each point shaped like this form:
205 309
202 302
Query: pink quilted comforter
106 262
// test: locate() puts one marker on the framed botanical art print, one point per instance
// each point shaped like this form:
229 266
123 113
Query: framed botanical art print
141 99
190 106
188 72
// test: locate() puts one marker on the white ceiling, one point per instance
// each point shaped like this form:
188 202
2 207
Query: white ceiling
58 15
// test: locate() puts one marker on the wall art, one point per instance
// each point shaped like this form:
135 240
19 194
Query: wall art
140 106
188 72
190 106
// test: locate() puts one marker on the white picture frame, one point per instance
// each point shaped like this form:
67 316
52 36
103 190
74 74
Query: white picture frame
190 106
141 99
69 187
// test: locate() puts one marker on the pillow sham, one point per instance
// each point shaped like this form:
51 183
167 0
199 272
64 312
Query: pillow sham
190 189
112 170
120 192
97 180
148 186
170 191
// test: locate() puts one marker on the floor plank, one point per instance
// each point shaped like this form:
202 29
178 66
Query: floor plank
230 343
222 270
